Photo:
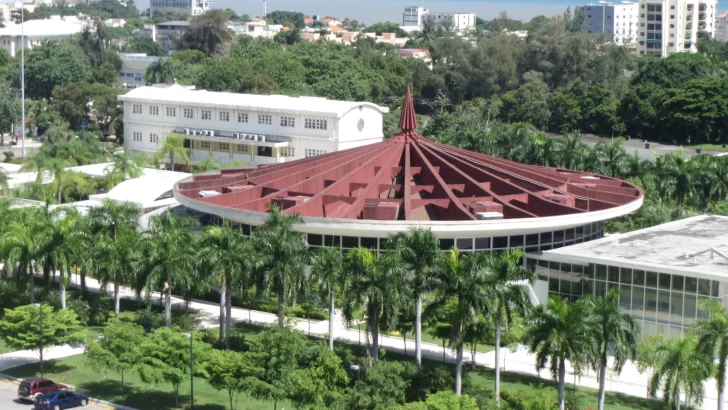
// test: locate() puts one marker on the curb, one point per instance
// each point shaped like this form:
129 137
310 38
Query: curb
101 403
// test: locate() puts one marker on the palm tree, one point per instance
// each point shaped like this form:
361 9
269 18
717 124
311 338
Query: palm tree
560 331
327 267
116 261
464 285
680 367
174 147
418 250
376 284
19 244
713 341
230 254
162 71
207 164
125 167
283 256
615 334
507 295
170 258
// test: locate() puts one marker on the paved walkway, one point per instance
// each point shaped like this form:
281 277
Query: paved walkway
519 360
21 357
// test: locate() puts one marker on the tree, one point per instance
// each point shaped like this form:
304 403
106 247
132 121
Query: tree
386 27
319 385
9 109
19 245
174 147
208 33
118 349
287 18
679 367
327 267
165 357
75 101
283 255
530 103
615 335
20 329
443 400
418 250
377 285
713 342
233 372
54 63
231 256
560 331
125 167
146 45
162 71
382 387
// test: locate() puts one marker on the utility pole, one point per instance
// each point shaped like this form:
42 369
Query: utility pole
265 11
22 80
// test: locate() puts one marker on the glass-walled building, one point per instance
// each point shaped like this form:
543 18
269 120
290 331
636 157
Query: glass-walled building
662 272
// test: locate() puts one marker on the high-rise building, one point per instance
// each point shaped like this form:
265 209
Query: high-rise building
194 7
721 27
412 16
674 26
415 16
620 19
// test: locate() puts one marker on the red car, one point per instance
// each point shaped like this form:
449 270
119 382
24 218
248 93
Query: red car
31 389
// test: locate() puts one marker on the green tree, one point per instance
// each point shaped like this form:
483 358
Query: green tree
530 103
233 372
118 349
386 27
20 329
713 342
382 387
137 44
165 357
162 71
208 33
319 384
443 400
54 63
327 267
679 367
20 243
9 109
174 147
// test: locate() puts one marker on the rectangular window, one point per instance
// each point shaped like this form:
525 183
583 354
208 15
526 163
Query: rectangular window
137 108
265 119
288 152
224 116
206 115
314 124
205 144
171 112
153 138
138 136
153 110
224 146
242 148
242 117
189 113
313 152
288 122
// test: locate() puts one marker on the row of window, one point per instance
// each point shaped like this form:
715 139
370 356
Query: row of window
263 119
313 152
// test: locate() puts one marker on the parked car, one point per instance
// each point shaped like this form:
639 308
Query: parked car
30 389
59 400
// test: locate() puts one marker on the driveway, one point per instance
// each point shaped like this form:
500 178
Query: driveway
9 400
635 145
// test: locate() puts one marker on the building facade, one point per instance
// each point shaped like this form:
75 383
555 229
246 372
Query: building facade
134 65
621 20
194 7
252 129
34 32
721 27
674 26
415 16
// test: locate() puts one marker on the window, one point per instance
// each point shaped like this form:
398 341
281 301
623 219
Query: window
153 138
288 152
265 119
206 115
171 112
224 116
313 152
242 148
153 110
138 136
242 117
137 108
205 144
288 122
314 124
189 113
224 146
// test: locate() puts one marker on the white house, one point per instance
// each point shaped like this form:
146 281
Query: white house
37 31
253 129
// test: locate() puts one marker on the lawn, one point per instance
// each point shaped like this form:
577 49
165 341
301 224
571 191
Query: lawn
426 338
4 349
710 147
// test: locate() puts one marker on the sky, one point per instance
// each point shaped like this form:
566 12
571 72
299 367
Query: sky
372 11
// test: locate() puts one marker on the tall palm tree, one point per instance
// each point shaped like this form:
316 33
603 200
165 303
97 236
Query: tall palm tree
560 331
174 147
376 284
283 256
162 71
170 258
418 249
464 285
713 341
327 266
615 334
680 367
507 295
116 261
125 166
231 255
19 244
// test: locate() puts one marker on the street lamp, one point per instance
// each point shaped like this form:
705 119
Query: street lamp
357 369
40 320
192 383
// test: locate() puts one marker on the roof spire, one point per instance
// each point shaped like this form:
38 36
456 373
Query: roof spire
408 122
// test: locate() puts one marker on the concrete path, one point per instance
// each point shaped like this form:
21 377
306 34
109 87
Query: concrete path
19 358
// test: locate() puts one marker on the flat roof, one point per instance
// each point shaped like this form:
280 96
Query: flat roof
277 103
668 248
43 28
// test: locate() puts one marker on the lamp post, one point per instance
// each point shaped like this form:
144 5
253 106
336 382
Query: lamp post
22 89
192 381
40 320
357 369
604 14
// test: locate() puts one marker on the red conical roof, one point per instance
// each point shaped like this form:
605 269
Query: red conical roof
408 121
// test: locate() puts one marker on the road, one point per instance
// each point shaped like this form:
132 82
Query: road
9 400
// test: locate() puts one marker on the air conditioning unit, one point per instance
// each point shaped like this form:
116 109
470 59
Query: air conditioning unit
211 133
187 131
262 138
236 135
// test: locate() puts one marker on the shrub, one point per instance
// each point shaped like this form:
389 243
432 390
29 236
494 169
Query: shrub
185 322
149 319
82 309
9 156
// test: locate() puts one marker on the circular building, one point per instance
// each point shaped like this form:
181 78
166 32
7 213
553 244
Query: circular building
357 197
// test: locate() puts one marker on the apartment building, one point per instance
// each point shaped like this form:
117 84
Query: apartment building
721 27
194 7
415 16
674 26
133 67
620 19
253 129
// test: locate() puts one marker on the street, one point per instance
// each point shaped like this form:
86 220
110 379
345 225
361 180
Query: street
10 401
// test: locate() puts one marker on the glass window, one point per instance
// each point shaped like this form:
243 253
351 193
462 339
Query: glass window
546 237
579 231
532 240
676 307
638 277
691 285
554 266
577 269
516 241
663 304
601 272
677 283
600 288
464 244
369 243
565 285
500 242
315 240
613 274
576 286
558 236
349 241
625 276
665 281
611 286
569 234
589 271
638 300
587 287
383 243
447 244
554 284
715 288
332 240
544 264
545 248
690 308
650 302
482 243
652 279
587 230
566 268
704 287
625 296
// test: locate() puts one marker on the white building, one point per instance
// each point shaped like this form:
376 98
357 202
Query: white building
415 16
721 27
37 31
256 28
673 26
134 65
253 129
194 7
620 19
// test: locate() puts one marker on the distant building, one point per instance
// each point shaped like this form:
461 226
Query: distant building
674 26
194 7
418 53
721 27
37 31
134 65
255 28
415 16
620 19
166 34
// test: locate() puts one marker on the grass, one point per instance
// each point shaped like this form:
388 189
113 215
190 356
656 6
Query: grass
4 348
427 338
710 147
